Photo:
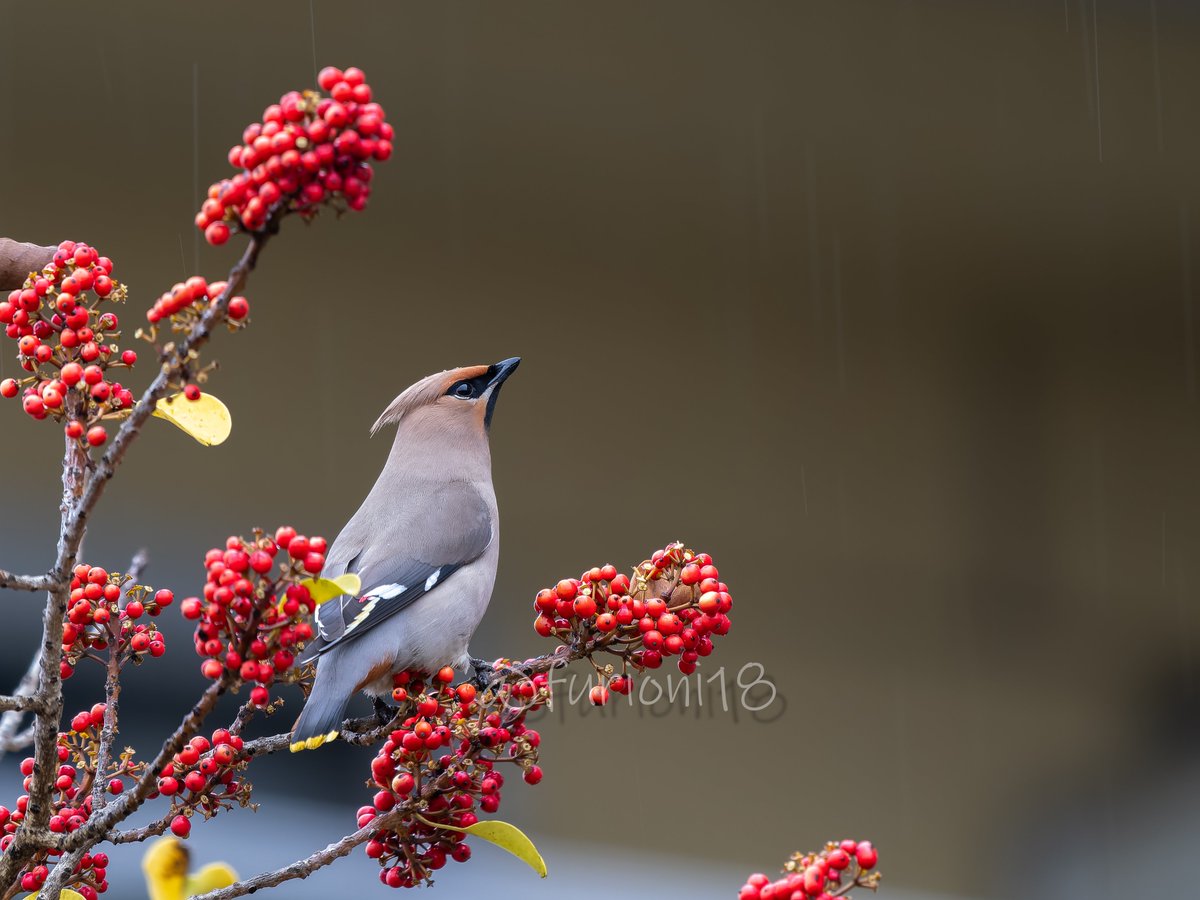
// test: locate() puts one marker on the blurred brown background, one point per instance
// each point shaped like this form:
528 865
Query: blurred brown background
890 306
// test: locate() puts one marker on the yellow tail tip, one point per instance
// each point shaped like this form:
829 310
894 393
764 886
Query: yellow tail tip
313 743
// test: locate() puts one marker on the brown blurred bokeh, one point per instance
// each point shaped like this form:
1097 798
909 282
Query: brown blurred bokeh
890 306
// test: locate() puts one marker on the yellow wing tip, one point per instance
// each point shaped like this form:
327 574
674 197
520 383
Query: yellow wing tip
313 743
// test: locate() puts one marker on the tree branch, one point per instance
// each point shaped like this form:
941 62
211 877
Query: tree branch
26 582
302 868
17 260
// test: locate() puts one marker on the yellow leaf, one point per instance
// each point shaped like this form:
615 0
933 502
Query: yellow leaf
210 878
65 894
206 419
322 590
505 836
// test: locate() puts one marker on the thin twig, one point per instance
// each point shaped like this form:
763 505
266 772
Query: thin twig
301 868
112 690
19 703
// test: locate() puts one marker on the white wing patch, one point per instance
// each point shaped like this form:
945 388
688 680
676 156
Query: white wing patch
432 580
386 592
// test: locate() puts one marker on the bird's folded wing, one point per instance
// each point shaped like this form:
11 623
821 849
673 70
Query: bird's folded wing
403 560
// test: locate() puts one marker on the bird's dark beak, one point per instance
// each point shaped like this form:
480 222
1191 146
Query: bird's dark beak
496 376
500 371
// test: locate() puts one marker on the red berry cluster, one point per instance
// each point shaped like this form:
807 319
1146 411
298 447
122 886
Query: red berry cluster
439 767
187 300
66 333
674 605
72 802
833 872
309 149
204 777
254 614
97 619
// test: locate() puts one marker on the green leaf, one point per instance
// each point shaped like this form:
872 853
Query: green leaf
504 835
322 590
206 418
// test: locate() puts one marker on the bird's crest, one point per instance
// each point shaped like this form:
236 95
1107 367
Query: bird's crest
424 392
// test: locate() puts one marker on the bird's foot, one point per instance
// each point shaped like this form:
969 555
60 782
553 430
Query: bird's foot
485 673
383 712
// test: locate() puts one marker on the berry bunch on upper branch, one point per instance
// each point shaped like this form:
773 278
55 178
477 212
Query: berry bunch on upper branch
66 328
309 150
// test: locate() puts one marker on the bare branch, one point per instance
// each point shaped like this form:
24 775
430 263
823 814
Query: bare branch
112 691
19 741
302 868
26 582
17 260
19 703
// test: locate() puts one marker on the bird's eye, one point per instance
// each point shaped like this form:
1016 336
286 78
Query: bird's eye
463 390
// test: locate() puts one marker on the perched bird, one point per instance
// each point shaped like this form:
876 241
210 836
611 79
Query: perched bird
165 865
424 545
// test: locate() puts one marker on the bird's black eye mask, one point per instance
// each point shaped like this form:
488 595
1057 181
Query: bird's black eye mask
469 388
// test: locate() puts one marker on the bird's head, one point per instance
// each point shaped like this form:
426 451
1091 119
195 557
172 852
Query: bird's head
455 402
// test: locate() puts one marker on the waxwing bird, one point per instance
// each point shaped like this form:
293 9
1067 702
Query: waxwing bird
424 545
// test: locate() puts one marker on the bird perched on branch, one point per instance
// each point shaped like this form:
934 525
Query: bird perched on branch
424 545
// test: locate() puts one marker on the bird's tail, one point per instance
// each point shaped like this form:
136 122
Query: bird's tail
320 719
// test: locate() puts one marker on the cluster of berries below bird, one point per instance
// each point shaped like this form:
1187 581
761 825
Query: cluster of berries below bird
309 149
66 332
832 872
254 615
439 767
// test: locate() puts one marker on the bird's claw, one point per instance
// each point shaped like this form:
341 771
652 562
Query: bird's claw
485 673
383 711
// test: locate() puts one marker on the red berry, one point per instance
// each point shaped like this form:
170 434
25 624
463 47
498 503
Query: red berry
9 387
96 435
238 308
180 826
217 233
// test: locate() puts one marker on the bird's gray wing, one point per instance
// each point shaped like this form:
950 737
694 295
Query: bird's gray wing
403 560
